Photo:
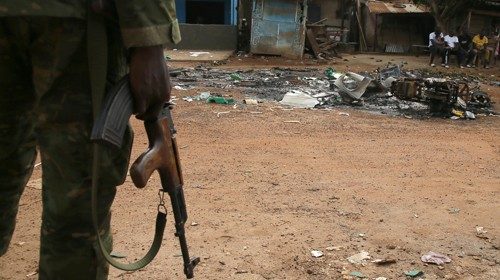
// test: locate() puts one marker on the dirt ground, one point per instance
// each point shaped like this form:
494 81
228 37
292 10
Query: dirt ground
266 186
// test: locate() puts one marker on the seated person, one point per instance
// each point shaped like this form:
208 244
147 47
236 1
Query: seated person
436 45
492 49
452 46
479 50
466 46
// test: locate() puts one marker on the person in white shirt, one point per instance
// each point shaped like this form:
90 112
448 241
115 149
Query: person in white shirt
452 46
436 45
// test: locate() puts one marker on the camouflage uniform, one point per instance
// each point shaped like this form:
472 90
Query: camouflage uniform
45 102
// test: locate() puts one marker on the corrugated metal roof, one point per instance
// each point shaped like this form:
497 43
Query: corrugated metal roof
377 7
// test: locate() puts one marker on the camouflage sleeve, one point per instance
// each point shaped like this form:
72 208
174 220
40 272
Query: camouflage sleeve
148 22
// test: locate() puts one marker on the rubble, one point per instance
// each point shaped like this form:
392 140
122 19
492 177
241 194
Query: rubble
220 100
299 99
316 254
359 258
390 90
414 273
352 84
435 258
383 261
357 274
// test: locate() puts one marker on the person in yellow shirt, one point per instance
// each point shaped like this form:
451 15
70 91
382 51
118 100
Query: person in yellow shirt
480 51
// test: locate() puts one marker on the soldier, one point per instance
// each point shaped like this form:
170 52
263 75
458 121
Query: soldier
47 101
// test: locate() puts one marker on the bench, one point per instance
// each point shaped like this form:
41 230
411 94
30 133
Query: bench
419 49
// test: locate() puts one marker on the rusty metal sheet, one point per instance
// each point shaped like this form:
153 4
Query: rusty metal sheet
278 27
379 7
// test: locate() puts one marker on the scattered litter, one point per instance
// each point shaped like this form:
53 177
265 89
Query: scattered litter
344 114
221 113
183 147
193 224
480 230
389 75
414 273
435 258
32 274
359 258
331 74
196 54
255 112
203 96
334 248
481 233
299 99
235 77
454 118
457 113
380 278
117 255
454 210
251 101
469 115
316 254
461 103
220 100
383 261
179 88
357 274
291 121
391 91
352 84
21 243
387 83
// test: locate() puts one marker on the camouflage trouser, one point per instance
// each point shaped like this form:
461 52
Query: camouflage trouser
45 102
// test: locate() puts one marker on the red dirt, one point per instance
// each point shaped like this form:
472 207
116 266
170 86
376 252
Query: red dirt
265 192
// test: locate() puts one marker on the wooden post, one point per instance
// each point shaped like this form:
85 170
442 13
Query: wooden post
375 38
468 21
358 10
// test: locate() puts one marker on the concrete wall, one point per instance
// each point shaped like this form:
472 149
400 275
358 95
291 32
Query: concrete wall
329 10
207 37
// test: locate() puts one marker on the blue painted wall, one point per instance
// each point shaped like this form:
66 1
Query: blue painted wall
230 13
180 6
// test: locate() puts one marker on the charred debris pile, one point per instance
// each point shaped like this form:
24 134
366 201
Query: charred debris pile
391 90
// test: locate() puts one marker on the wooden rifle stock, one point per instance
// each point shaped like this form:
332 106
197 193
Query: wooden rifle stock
162 156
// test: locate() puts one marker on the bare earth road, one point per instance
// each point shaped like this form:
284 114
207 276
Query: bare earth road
263 192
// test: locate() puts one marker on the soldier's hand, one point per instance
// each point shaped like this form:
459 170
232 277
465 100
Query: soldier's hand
149 81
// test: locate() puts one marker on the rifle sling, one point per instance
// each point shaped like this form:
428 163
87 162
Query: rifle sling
161 220
97 53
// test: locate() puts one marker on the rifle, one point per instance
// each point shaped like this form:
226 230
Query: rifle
162 156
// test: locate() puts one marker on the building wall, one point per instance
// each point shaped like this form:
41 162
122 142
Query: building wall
480 22
206 37
399 29
330 9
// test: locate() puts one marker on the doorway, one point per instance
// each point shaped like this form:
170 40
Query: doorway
205 12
